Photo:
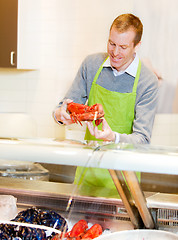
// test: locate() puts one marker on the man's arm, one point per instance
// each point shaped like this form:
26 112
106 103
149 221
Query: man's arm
145 110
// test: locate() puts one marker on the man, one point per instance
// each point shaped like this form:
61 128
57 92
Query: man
117 76
125 87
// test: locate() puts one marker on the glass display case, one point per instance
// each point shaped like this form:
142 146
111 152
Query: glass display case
149 203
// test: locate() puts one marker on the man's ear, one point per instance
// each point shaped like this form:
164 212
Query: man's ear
137 46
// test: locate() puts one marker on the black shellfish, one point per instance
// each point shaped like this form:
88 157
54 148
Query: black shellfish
47 218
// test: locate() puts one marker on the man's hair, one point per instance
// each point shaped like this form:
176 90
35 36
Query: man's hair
126 22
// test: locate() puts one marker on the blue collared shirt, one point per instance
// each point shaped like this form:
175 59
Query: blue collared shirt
131 69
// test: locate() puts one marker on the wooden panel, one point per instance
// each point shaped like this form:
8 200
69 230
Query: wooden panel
8 31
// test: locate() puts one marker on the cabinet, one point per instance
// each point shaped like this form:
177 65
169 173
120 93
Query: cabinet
19 29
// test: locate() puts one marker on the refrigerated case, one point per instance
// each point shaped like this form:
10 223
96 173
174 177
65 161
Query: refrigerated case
134 209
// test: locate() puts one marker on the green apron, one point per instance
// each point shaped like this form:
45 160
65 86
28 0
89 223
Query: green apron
120 117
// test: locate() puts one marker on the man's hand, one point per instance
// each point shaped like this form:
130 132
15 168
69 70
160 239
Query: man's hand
106 134
61 113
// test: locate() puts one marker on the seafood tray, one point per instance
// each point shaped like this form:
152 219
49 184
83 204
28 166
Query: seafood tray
56 198
50 197
33 223
110 213
48 224
38 224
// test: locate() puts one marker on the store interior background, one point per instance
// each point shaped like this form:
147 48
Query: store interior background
70 30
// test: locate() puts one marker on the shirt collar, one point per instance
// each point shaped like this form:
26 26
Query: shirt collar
131 69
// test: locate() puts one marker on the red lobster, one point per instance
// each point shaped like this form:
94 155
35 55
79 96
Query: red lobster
95 231
80 112
80 231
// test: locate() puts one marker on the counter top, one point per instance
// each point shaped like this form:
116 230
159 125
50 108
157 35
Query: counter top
144 158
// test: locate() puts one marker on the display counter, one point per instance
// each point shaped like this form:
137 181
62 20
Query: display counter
135 209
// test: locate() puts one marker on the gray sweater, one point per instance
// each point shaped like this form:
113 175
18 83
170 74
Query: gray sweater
146 99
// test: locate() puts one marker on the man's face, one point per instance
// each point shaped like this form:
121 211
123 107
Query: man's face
121 48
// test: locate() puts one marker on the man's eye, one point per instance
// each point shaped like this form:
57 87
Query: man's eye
124 47
112 44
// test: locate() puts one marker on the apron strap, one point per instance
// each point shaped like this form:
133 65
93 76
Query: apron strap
137 77
99 71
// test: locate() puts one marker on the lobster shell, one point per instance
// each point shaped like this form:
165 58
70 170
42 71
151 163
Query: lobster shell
95 231
80 112
80 231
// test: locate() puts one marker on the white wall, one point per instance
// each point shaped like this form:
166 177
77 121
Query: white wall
160 36
69 30
165 130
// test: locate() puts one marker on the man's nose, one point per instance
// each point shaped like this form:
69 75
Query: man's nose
116 51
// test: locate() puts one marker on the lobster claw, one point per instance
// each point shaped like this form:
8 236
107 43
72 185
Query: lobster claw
77 230
98 121
74 117
95 231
